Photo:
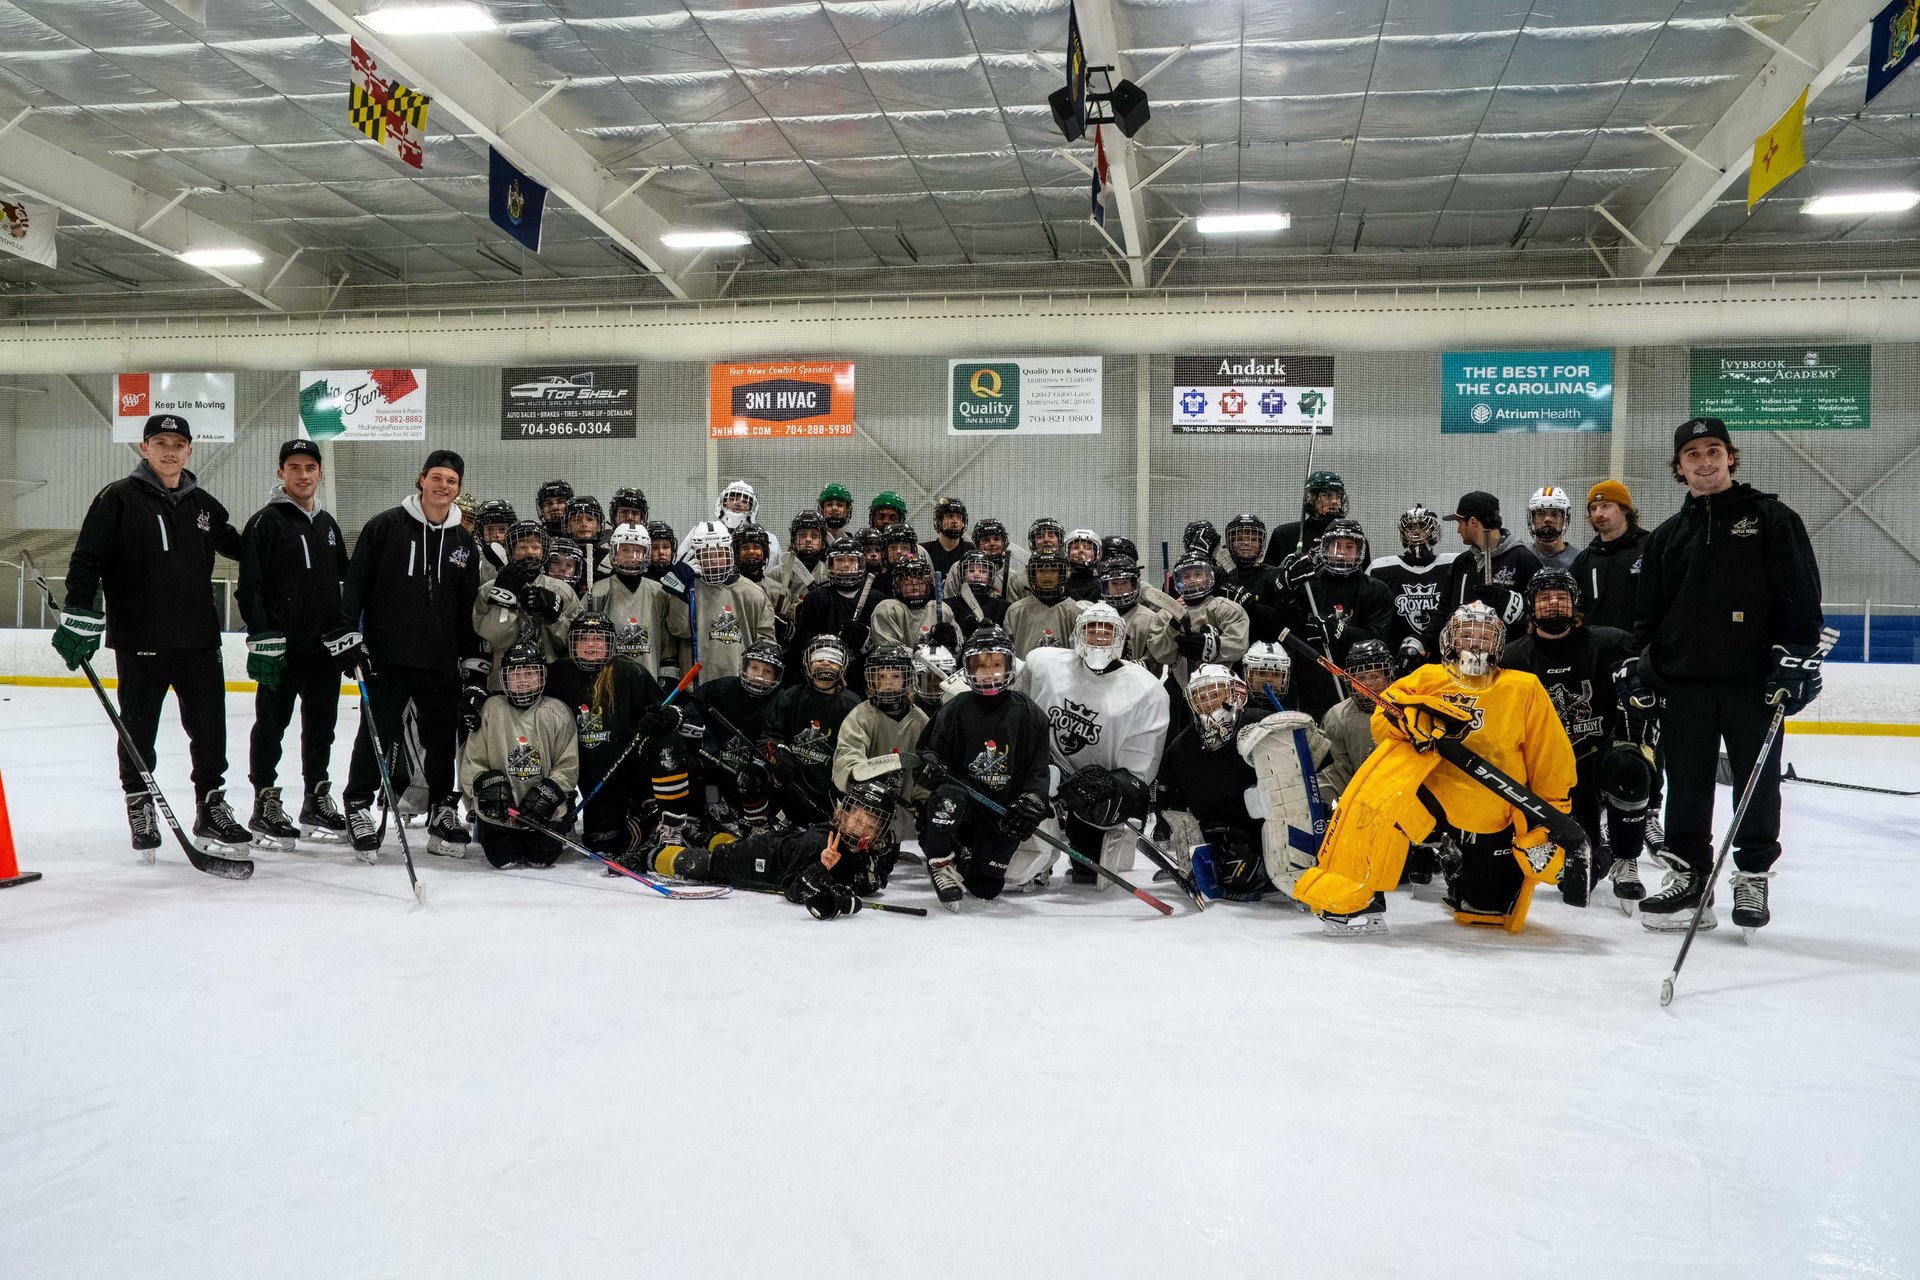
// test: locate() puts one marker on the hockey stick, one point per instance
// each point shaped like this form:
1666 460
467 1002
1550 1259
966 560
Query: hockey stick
1160 858
866 904
702 893
386 784
211 863
1828 638
995 807
686 681
1791 776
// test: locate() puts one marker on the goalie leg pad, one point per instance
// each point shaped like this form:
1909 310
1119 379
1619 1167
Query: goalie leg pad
1380 814
1286 794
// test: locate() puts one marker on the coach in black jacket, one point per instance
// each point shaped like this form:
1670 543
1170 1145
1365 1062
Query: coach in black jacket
292 557
149 541
1608 568
407 613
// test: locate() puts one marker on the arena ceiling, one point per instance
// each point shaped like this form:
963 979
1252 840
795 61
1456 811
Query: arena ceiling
906 146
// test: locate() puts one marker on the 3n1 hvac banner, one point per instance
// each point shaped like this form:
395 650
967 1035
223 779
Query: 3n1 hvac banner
1484 392
205 400
1253 395
568 402
1035 396
780 400
1783 388
364 404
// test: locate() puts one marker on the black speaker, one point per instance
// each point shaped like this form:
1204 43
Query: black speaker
1129 103
1061 100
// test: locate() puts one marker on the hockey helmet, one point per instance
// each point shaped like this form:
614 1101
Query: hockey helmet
629 549
566 561
628 505
553 491
990 530
523 674
1319 484
1083 547
1216 697
1553 602
1548 511
1371 666
665 543
1047 576
846 568
1120 583
949 506
932 665
889 675
581 509
1115 545
824 661
976 568
1342 549
590 640
864 812
762 668
1470 644
902 536
494 513
1267 666
886 500
1419 527
1048 527
736 505
1193 578
710 551
528 557
913 580
807 533
1099 636
842 499
1246 539
987 641
751 549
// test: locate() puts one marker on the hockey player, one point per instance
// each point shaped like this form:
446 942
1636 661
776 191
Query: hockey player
1496 568
632 601
993 740
406 612
887 508
148 542
836 508
888 723
492 522
1549 513
550 504
873 557
1416 581
843 609
751 544
1083 574
971 595
1249 581
902 542
1206 628
949 542
734 712
1349 724
586 526
1044 616
1608 568
803 568
522 757
738 505
1149 631
1325 499
663 548
803 727
1576 663
1009 562
1267 670
1107 725
826 867
1044 537
1331 602
1728 624
292 557
567 563
912 616
628 505
524 604
1406 792
731 614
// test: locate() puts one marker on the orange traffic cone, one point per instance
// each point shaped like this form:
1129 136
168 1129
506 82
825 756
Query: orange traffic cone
10 873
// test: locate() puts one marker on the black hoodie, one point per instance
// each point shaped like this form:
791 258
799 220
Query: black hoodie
1722 581
410 588
291 563
152 549
1609 576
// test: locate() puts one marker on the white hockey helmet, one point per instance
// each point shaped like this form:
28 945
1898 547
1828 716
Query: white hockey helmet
1216 697
1092 541
709 549
1099 636
1267 665
1470 644
731 516
932 666
629 548
1549 499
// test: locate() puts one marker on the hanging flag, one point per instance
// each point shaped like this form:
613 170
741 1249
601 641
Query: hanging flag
26 230
1893 44
514 201
1777 153
1101 178
1076 73
386 110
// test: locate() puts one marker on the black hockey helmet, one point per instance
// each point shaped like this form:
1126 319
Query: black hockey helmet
841 575
768 652
526 530
808 519
1120 583
566 561
900 534
948 505
494 513
1114 545
1333 561
747 537
988 527
1046 524
628 498
916 571
889 695
1246 552
872 544
659 531
591 640
1553 580
975 559
864 812
552 490
523 674
1051 567
1370 658
1194 577
987 639
586 505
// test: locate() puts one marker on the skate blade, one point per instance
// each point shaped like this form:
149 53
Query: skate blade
446 848
368 856
147 856
273 844
221 848
323 835
1746 934
952 906
1625 905
1676 923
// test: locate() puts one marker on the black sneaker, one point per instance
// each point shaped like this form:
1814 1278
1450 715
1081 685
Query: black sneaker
446 834
364 831
269 824
214 823
319 818
1750 899
144 822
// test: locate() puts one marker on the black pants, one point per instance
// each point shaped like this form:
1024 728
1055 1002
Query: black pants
1694 720
199 681
1488 878
503 845
315 682
1624 835
952 824
435 696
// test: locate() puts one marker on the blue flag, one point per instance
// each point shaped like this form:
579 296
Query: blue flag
1893 44
514 201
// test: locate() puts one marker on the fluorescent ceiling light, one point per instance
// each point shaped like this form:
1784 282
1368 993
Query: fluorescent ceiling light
703 239
221 258
447 17
1858 202
1229 224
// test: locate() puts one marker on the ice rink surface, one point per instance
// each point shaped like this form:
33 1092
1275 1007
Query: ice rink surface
555 1074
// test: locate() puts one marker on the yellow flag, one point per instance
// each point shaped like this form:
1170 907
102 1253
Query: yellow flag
1777 153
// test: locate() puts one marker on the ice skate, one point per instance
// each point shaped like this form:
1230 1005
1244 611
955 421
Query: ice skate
364 831
269 824
1671 910
320 819
947 885
1040 882
1627 886
144 823
1750 901
215 826
446 834
1368 922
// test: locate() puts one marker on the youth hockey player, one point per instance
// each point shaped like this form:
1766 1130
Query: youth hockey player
1009 562
292 557
406 612
902 542
750 546
1576 664
633 602
1149 631
492 522
1267 670
586 525
873 558
1107 725
836 508
993 740
1044 537
522 757
949 542
663 548
628 505
1407 792
550 504
1349 724
1325 499
1206 628
1416 582
803 568
148 543
731 614
843 609
803 727
887 508
567 563
1549 513
738 505
1044 616
1608 568
734 712
971 595
887 724
913 617
1728 623
1249 581
1495 569
524 604
1083 575
1331 602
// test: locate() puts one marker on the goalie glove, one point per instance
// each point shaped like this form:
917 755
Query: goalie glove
1425 719
1091 796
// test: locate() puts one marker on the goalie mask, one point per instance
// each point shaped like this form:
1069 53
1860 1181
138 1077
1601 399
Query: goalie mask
1246 539
1548 511
1216 697
710 552
761 669
1342 549
590 640
889 674
1470 645
523 674
630 550
987 660
825 662
1553 602
736 505
1099 637
932 665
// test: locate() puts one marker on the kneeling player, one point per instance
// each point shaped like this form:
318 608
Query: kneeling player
884 729
801 729
1407 792
522 757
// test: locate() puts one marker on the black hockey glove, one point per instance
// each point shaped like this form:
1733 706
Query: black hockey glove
1297 570
944 635
1197 644
1639 704
542 602
348 648
659 720
1022 816
1133 795
1202 539
1795 679
823 897
473 701
493 796
513 579
929 768
854 636
545 801
782 631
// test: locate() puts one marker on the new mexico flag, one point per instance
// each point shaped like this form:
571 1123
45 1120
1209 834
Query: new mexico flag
1777 153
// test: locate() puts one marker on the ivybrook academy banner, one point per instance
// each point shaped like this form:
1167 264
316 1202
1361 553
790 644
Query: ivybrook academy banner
1253 395
1483 392
780 400
1783 388
205 400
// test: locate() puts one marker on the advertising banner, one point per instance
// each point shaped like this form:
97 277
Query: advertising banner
780 399
1253 395
1484 392
364 404
205 400
1028 395
568 402
1783 388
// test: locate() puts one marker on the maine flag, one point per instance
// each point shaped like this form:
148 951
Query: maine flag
514 201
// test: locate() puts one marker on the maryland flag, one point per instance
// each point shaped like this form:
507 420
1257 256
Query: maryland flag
1777 153
386 110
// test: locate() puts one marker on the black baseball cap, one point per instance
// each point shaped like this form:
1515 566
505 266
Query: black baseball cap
161 423
1478 505
445 458
1700 429
294 447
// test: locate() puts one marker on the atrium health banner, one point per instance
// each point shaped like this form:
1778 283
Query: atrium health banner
1487 392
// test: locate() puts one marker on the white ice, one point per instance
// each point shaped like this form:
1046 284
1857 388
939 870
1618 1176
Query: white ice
554 1074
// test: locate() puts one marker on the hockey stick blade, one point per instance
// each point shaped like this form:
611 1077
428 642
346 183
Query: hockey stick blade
1160 858
1092 864
1790 776
212 864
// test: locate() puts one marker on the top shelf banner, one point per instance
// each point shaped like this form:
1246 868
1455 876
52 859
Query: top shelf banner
1268 395
1491 392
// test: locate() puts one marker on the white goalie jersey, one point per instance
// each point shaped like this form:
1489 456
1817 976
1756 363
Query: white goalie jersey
1116 719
